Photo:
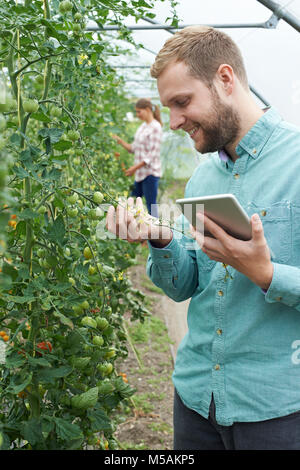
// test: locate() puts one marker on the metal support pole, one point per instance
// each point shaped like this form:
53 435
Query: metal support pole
281 13
172 29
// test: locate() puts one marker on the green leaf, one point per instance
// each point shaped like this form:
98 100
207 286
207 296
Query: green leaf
88 131
20 172
63 319
66 430
54 134
9 271
99 420
38 361
13 359
49 375
17 388
63 145
32 431
27 214
20 299
57 230
40 117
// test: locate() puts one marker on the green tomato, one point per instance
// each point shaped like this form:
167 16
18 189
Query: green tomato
102 323
100 267
77 309
73 135
73 198
89 321
76 28
30 106
77 16
105 368
72 281
65 6
55 111
67 251
92 214
98 340
40 252
98 197
92 270
111 353
85 305
87 253
72 211
42 210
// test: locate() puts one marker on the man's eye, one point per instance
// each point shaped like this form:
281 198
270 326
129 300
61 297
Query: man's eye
182 102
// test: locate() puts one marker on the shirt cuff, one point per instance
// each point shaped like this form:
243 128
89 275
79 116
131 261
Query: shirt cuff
171 250
285 285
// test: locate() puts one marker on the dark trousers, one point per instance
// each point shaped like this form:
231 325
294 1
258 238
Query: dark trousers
193 432
148 188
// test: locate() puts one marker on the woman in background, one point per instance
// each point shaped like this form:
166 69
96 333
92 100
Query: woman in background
146 149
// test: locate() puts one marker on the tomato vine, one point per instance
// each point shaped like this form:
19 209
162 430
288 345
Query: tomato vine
63 287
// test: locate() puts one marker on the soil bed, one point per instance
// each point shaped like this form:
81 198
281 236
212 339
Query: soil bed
148 423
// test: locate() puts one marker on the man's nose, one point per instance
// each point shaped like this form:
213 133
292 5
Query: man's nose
176 120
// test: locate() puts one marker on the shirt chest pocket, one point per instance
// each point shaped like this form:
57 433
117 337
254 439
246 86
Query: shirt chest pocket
277 224
205 264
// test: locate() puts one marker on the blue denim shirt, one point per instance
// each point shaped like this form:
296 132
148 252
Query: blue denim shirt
242 346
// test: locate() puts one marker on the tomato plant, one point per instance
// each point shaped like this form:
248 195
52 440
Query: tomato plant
63 288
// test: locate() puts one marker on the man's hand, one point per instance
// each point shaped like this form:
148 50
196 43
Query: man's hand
251 258
132 223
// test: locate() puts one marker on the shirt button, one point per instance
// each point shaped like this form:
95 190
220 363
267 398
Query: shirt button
254 151
219 331
220 293
263 213
166 256
236 176
278 299
217 367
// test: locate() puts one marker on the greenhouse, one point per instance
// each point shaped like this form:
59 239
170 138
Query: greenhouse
149 227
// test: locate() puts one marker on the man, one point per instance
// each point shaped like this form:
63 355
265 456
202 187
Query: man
237 371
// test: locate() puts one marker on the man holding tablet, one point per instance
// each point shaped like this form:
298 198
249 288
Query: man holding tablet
237 371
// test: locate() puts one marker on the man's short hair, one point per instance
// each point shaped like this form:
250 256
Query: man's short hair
203 49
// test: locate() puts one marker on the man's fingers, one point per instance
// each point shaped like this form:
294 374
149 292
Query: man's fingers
257 229
198 236
214 229
139 203
110 220
121 224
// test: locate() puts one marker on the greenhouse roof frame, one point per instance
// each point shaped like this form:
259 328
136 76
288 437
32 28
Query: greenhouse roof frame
278 12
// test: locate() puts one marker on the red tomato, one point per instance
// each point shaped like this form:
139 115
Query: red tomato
45 346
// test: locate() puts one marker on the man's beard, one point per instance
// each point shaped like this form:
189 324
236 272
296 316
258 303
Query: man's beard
221 128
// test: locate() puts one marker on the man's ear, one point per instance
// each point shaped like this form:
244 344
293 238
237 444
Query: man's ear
225 78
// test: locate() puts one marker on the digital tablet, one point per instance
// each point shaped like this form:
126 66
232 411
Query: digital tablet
224 209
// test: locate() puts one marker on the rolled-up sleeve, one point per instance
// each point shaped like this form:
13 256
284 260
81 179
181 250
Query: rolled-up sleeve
285 286
174 268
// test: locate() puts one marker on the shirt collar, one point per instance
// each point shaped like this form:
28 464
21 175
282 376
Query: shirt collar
254 141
